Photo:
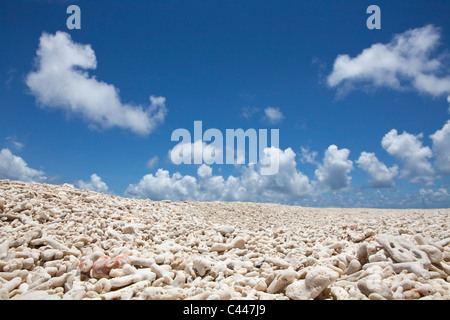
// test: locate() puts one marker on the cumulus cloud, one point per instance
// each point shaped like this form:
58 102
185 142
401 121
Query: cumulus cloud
15 168
409 150
95 184
406 62
288 181
273 115
251 185
333 173
380 175
441 148
164 186
61 81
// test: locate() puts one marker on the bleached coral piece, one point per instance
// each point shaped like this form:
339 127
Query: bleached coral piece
127 292
103 265
282 280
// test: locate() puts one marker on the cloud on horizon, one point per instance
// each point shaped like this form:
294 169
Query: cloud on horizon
94 184
380 175
13 167
415 158
333 173
251 185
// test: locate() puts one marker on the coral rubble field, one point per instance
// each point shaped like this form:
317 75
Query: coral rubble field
58 242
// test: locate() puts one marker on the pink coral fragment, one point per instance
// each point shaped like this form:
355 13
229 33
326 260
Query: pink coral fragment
103 265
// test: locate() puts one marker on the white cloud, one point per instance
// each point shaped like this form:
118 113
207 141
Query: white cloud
204 171
333 172
273 115
152 162
15 168
248 112
288 182
95 184
163 186
404 63
448 100
430 198
61 81
408 149
11 74
251 185
187 152
307 156
380 175
16 144
441 148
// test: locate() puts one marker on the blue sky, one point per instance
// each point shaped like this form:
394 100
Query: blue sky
362 114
